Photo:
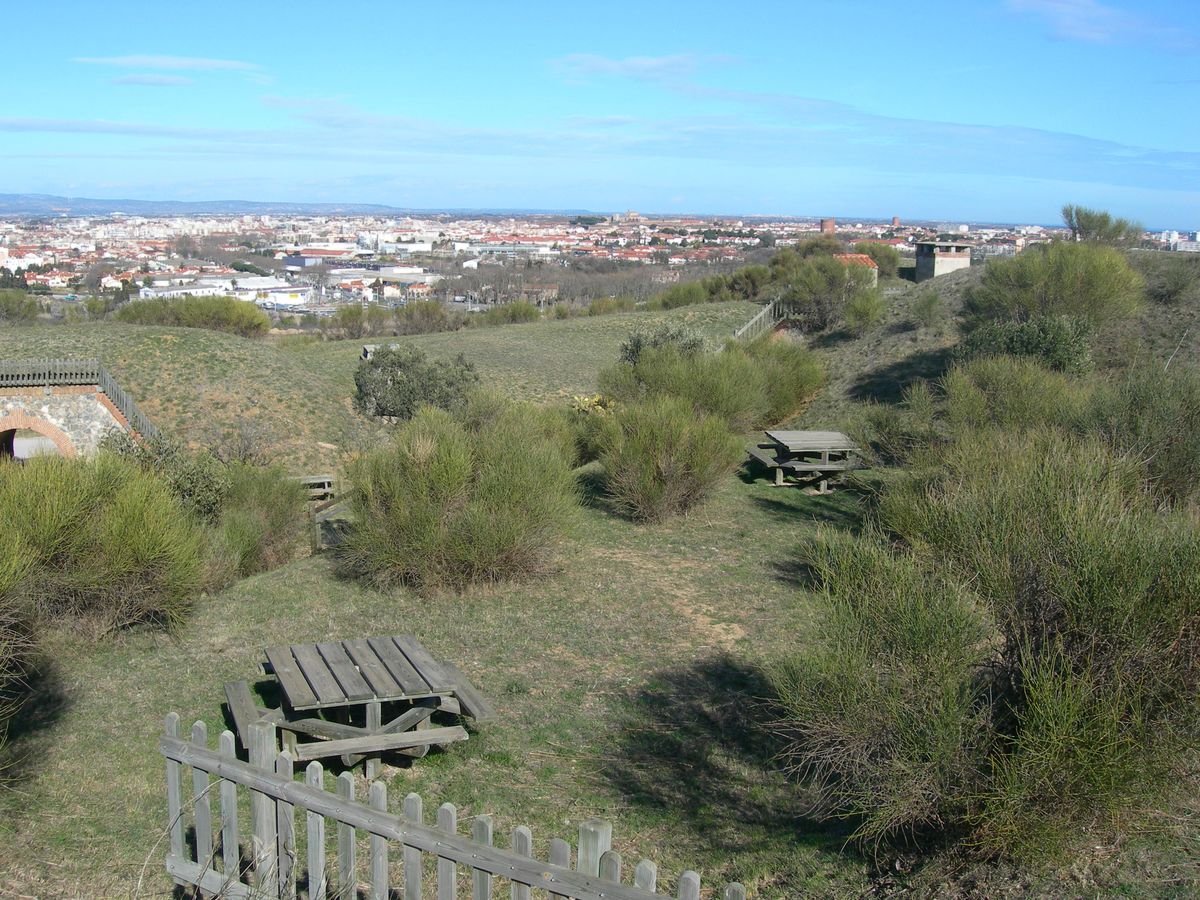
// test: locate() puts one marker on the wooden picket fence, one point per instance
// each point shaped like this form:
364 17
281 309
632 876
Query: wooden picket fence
213 859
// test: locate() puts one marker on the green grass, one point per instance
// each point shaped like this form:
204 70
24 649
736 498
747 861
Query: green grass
630 714
193 383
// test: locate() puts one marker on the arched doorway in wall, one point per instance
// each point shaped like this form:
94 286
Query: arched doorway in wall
23 436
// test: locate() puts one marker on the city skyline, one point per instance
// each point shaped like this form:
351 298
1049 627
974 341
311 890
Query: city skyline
997 112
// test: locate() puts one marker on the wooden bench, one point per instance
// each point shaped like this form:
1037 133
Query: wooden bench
811 455
330 687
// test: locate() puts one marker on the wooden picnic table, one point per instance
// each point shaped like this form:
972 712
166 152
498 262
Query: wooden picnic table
810 455
336 694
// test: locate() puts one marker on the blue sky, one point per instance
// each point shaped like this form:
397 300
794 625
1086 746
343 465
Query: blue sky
995 110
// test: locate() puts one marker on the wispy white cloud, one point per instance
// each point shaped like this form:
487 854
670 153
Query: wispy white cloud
747 131
148 79
172 63
644 68
1093 22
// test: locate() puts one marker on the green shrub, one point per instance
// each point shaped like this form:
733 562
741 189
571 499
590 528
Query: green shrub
517 312
605 306
1084 281
1172 279
198 480
864 311
895 432
397 380
16 635
728 385
214 313
297 341
688 294
885 256
103 542
927 310
427 317
262 523
17 308
683 338
882 708
1155 416
1090 587
1059 342
818 290
448 505
1016 393
661 458
792 375
1018 670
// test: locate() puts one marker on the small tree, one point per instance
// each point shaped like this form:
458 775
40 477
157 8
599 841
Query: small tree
17 308
397 381
820 288
885 256
1097 226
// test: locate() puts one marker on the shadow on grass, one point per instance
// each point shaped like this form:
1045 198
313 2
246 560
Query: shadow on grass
40 701
591 485
700 745
827 340
887 384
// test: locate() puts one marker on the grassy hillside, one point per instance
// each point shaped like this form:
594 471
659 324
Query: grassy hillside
898 351
197 384
628 681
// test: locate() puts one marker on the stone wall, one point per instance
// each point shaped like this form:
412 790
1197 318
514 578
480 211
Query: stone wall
76 419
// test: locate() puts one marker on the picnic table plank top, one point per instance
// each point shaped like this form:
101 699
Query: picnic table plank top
342 673
796 441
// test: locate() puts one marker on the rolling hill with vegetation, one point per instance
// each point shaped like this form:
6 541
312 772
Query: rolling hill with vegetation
632 678
202 385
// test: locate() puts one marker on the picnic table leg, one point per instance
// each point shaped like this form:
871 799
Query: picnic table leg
824 488
779 476
374 723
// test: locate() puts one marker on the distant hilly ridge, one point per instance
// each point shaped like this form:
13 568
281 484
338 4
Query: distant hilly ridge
52 205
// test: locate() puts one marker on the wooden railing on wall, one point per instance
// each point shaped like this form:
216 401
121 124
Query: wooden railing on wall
22 373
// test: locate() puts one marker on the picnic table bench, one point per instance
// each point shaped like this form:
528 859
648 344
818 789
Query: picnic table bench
810 455
335 694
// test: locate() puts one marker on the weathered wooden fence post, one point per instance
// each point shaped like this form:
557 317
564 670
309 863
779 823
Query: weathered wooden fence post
201 807
522 843
174 795
230 848
481 882
560 855
285 831
412 855
377 798
447 872
595 837
347 880
645 876
314 777
262 756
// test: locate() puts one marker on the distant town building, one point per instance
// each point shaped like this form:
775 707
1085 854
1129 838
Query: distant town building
829 226
895 221
936 258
